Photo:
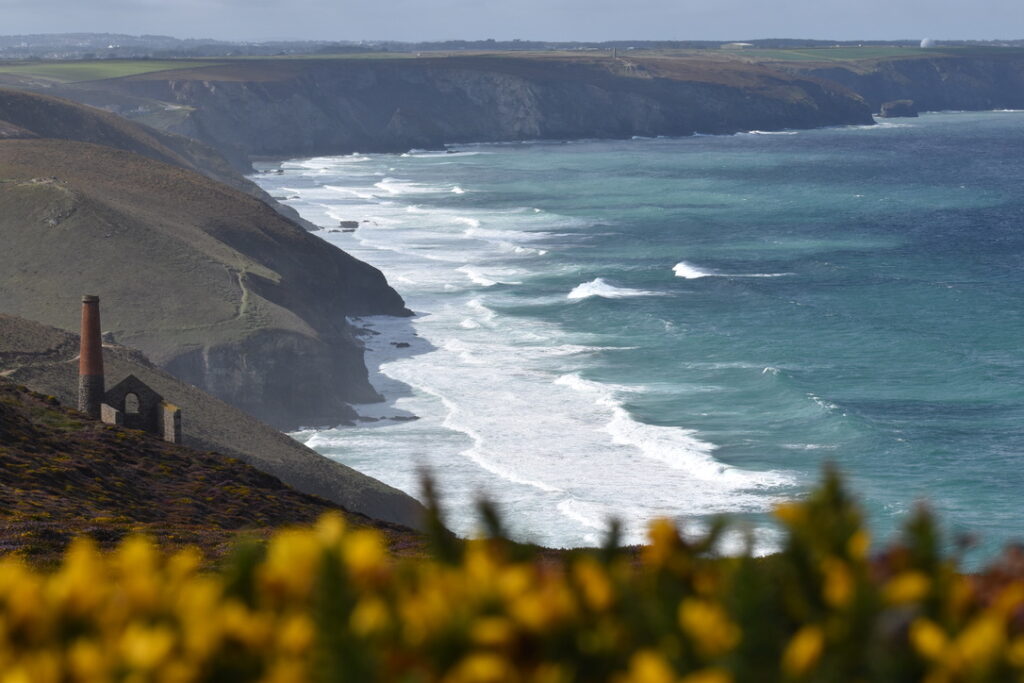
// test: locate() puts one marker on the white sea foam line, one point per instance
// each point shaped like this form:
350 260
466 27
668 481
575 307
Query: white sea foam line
489 277
691 272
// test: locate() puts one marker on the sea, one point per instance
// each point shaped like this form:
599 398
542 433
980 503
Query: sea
693 327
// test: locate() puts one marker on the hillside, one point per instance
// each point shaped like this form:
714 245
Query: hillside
212 284
62 474
29 115
45 359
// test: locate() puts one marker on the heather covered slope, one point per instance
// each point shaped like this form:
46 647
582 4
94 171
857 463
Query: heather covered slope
45 359
212 284
61 473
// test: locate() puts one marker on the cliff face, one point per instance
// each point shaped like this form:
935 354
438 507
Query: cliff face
210 283
944 82
308 107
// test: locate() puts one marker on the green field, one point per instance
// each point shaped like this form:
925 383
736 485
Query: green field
74 72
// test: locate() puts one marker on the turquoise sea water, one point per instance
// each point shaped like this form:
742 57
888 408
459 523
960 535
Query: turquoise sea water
693 326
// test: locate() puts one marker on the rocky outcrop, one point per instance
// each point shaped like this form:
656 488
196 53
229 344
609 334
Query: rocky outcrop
308 107
898 109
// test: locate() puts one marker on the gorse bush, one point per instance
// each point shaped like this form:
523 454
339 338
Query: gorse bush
330 604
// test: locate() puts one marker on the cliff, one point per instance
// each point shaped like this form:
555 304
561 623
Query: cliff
970 79
320 106
43 358
212 284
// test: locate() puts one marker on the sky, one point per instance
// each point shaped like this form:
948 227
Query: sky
554 20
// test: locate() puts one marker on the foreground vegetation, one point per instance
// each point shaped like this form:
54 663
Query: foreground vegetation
328 603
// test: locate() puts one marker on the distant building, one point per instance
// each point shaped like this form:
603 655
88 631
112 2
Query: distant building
736 46
131 402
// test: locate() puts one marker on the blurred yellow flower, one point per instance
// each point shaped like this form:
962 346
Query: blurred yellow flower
803 651
365 552
594 582
708 676
927 638
910 586
839 582
647 666
145 647
663 538
858 545
981 640
369 616
708 625
481 667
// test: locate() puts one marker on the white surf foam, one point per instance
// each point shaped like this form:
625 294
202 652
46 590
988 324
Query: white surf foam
689 271
599 288
495 417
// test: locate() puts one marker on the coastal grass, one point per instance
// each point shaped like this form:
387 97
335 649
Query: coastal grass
82 71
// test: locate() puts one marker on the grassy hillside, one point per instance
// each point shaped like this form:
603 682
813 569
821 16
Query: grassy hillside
210 283
62 474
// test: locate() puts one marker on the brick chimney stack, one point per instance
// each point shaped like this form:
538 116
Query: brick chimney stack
90 361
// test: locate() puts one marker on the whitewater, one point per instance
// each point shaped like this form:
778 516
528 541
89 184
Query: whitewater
690 327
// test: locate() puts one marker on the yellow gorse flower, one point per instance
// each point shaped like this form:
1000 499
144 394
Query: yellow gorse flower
909 586
803 651
329 602
708 625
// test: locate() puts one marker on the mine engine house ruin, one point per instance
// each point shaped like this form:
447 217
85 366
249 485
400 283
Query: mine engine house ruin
131 402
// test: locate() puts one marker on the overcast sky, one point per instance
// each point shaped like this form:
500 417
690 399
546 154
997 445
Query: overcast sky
590 20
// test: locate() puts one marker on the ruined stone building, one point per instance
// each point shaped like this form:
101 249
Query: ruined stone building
131 402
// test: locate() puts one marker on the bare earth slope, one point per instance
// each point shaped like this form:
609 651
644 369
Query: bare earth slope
45 359
212 284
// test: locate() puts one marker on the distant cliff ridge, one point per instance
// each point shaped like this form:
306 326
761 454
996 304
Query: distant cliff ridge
319 106
311 106
992 80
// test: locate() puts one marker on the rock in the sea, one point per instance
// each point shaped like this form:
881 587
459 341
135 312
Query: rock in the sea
348 224
898 109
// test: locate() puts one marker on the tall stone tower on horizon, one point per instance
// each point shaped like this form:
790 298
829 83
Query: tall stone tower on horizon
90 360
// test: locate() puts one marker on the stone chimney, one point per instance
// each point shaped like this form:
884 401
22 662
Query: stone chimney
90 360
